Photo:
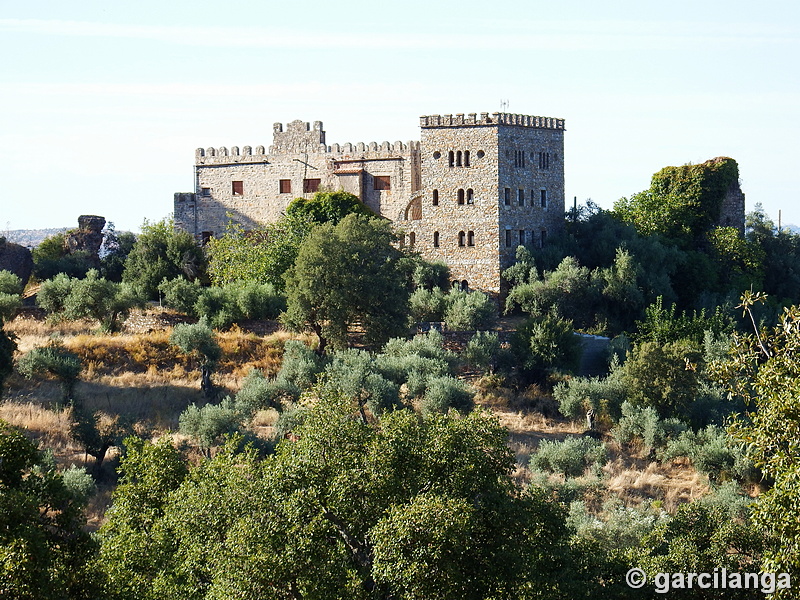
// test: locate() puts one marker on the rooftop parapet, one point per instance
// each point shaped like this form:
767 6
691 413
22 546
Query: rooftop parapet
484 119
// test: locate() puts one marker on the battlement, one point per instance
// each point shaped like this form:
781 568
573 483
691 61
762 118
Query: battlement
486 119
248 154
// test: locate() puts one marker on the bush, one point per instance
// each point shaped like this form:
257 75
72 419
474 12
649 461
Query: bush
468 311
290 421
10 283
196 338
444 393
712 452
219 307
53 294
571 457
353 373
79 484
643 423
481 350
427 305
258 392
8 346
207 425
579 394
300 366
547 344
181 294
9 305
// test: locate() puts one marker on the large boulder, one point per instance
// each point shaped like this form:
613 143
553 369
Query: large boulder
16 258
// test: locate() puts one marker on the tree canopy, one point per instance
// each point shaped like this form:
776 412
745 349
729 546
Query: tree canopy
346 274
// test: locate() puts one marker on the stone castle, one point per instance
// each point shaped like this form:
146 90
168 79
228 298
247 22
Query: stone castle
468 193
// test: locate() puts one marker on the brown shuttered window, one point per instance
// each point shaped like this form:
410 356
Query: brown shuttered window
237 187
286 186
381 182
310 186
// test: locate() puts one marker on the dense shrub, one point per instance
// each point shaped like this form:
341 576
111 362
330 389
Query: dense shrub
207 425
546 344
181 294
10 283
603 395
481 350
460 310
644 424
444 393
571 457
196 339
712 452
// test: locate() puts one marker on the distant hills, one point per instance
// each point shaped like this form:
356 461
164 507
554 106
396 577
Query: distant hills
30 237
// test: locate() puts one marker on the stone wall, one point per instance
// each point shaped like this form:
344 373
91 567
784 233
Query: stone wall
466 161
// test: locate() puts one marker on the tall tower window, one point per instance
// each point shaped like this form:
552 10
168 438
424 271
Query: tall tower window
466 158
461 196
521 237
461 236
521 197
470 238
412 239
451 158
435 239
543 197
470 196
507 198
543 239
435 198
508 238
544 160
458 158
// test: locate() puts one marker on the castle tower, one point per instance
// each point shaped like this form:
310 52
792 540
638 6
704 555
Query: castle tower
489 184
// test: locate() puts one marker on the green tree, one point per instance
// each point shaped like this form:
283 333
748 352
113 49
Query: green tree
328 207
161 252
10 295
261 255
198 340
764 370
405 508
55 360
346 274
44 551
52 257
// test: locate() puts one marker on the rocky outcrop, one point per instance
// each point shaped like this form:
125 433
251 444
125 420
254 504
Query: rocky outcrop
88 237
17 259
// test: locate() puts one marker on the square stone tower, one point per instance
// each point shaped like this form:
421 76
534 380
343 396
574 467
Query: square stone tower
489 184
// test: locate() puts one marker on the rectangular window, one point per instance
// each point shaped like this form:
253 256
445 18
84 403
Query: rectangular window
205 192
544 238
311 186
508 238
521 237
544 160
381 182
544 198
285 186
237 187
508 197
521 197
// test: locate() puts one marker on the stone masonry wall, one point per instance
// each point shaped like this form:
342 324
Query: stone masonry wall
470 218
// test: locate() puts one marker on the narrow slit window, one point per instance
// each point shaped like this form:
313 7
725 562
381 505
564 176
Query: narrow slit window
412 239
521 197
508 197
470 238
461 196
435 239
461 236
458 158
521 237
543 238
508 238
466 158
435 198
470 196
451 158
543 198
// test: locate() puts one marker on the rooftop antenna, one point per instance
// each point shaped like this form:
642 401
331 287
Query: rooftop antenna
503 105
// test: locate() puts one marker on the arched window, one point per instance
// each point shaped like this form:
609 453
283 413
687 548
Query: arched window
458 158
470 196
435 239
466 158
465 285
470 238
451 158
436 197
455 284
412 239
461 196
461 236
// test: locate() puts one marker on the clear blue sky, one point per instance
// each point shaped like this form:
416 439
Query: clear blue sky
103 103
